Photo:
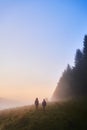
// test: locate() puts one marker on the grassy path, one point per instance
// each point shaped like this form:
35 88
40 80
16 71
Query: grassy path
58 116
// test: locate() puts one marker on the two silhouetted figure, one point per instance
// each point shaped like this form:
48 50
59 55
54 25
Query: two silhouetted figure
43 103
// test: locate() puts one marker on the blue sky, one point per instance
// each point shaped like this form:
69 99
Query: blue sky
38 38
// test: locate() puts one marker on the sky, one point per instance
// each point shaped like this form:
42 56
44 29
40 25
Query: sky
38 38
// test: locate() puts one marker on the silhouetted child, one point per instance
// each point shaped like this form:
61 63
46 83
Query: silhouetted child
44 104
36 103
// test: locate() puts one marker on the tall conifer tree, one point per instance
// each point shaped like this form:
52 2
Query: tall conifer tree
85 47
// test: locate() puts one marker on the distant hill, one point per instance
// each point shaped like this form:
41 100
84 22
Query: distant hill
73 82
58 116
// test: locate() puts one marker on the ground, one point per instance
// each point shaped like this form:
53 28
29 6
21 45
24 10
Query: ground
68 115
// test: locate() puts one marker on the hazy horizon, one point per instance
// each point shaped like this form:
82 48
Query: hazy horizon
37 41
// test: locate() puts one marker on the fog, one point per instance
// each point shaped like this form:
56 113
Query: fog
14 103
6 104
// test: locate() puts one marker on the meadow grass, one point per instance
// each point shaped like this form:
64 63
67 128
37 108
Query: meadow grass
70 115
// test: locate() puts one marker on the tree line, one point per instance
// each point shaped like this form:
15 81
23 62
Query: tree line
73 82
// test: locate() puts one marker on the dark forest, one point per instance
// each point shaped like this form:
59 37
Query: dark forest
73 82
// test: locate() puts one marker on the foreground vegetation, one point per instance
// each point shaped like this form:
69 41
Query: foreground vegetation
71 115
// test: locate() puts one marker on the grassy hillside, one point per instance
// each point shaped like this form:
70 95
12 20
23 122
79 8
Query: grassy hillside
70 115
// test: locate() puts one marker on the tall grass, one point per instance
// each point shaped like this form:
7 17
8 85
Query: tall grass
71 115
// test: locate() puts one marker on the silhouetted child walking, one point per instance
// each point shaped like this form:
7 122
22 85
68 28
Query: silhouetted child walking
36 103
44 104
